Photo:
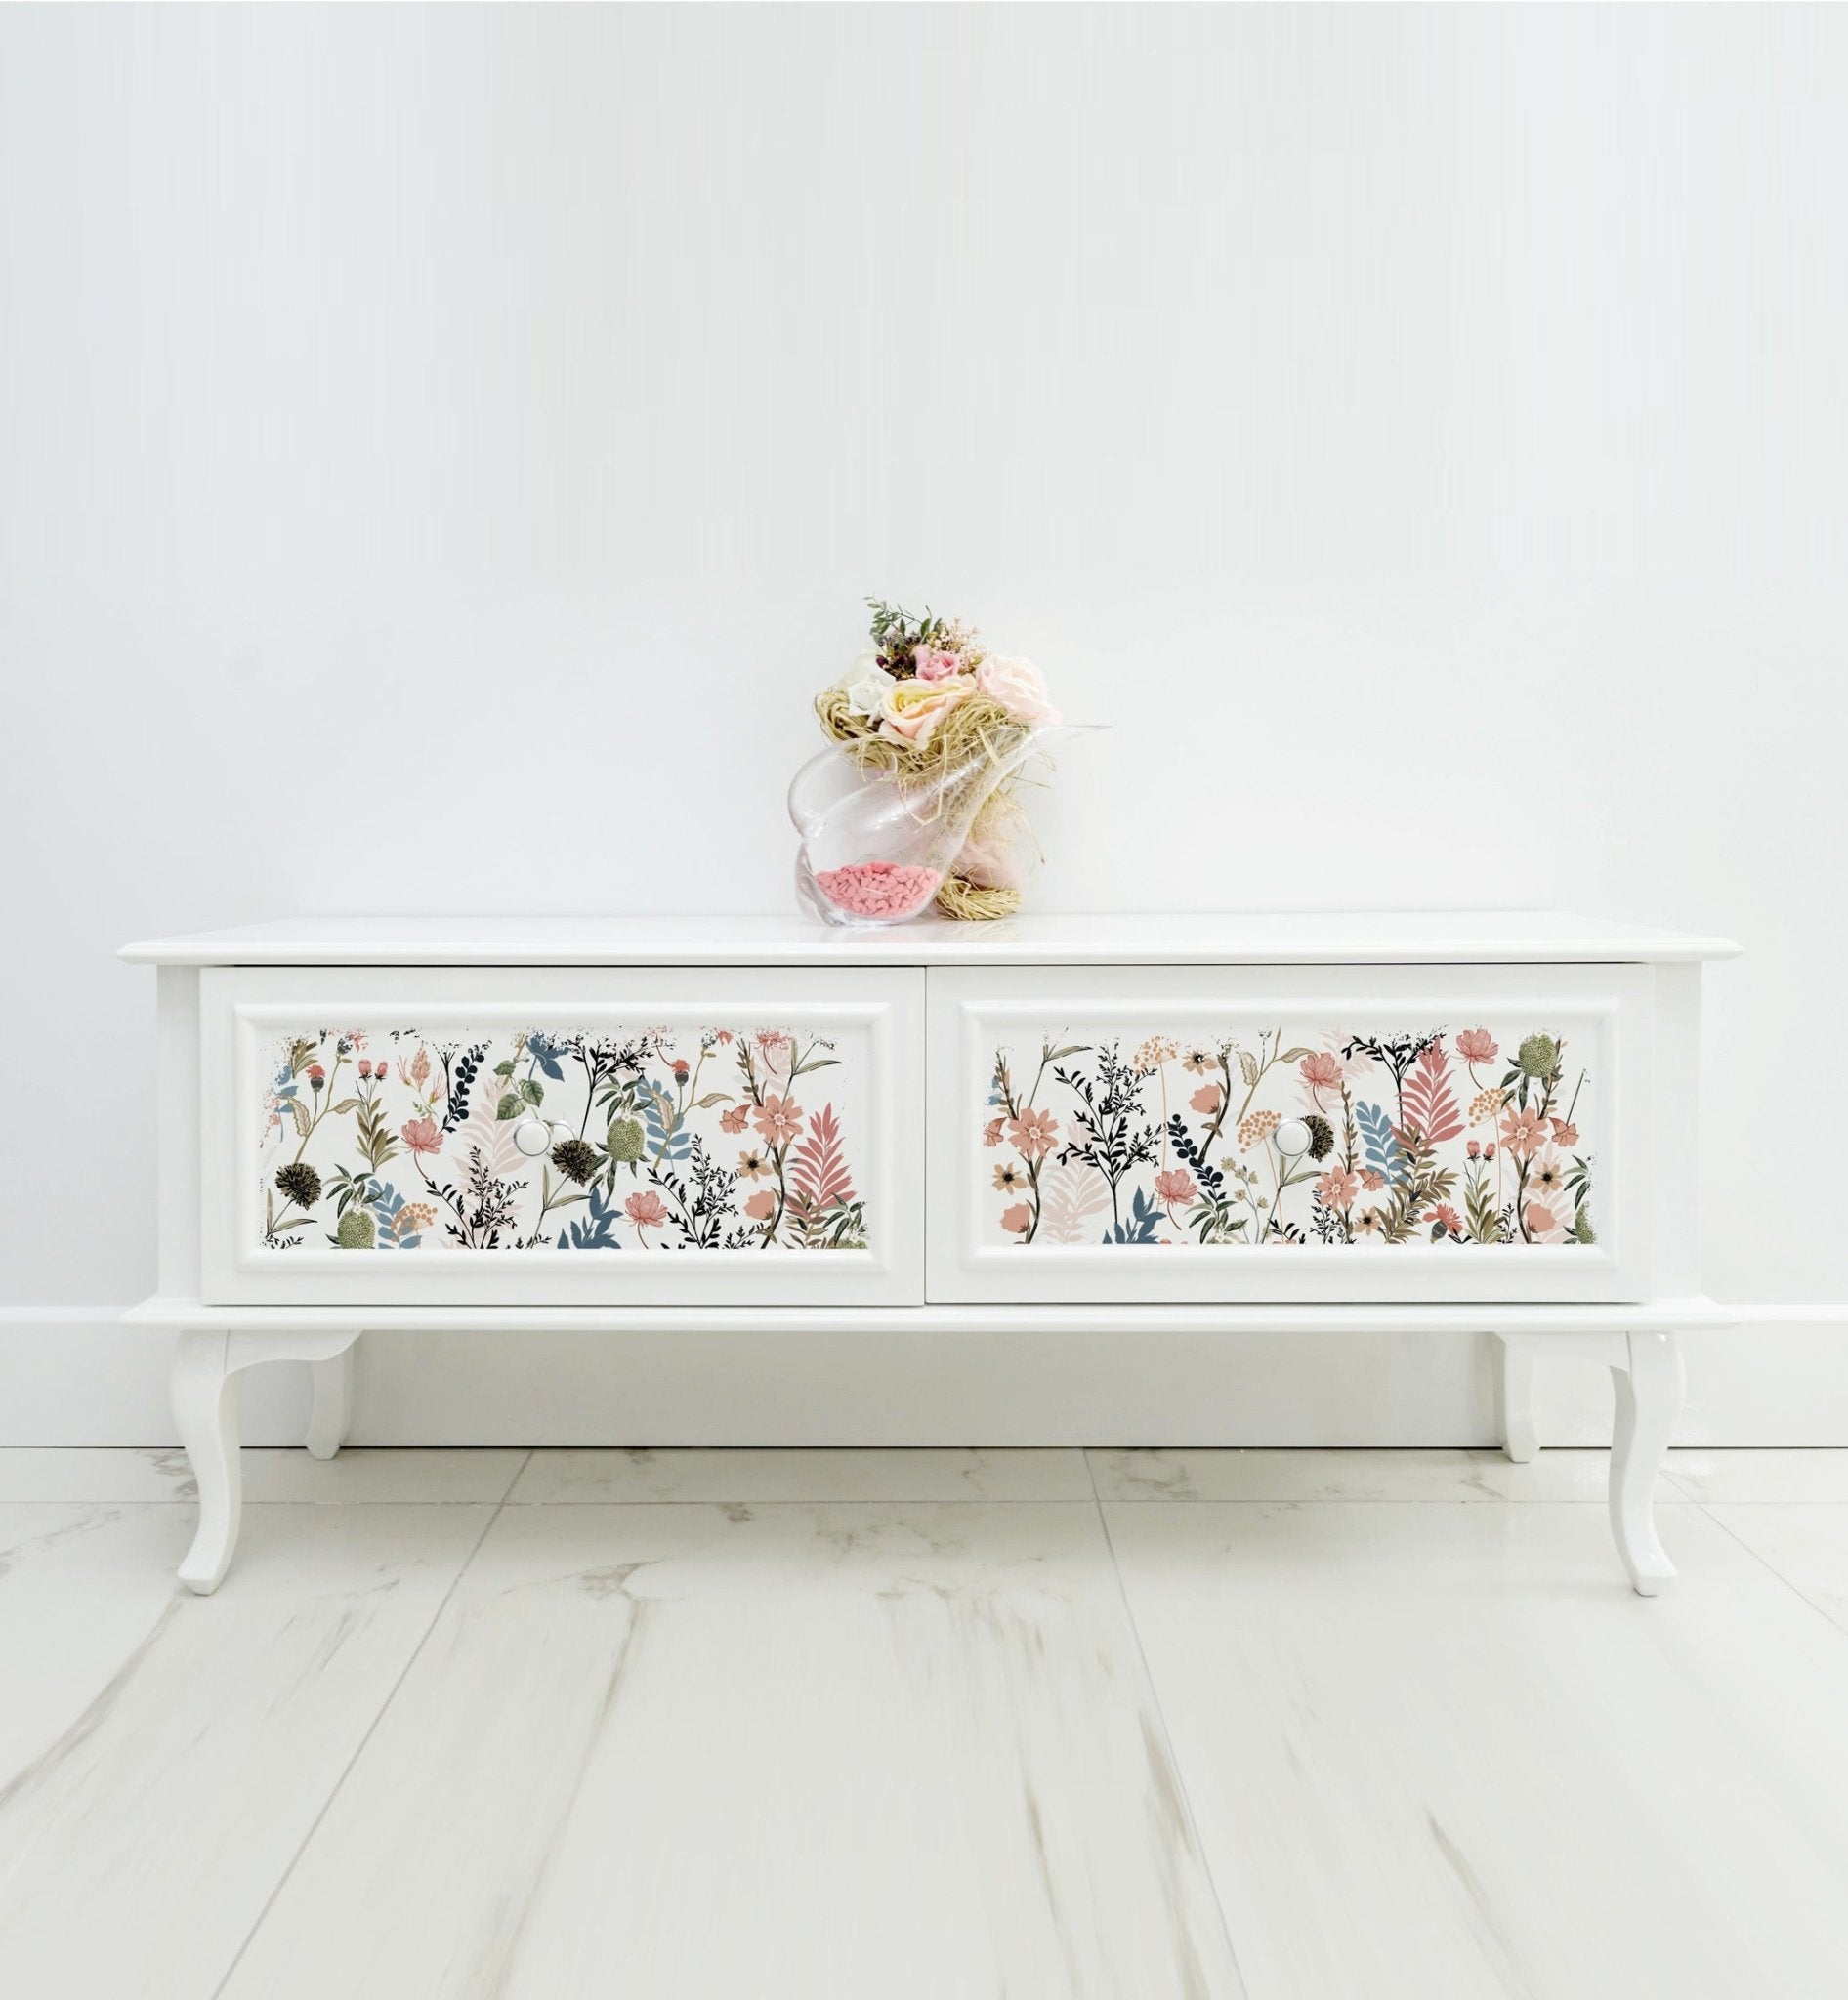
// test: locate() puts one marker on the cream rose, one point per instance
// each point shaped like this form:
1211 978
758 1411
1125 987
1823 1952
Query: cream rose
1017 686
867 684
914 708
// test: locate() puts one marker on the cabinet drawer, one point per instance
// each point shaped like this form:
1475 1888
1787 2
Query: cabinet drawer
717 1136
1291 1133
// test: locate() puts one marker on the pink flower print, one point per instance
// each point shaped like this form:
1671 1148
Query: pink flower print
421 1135
1523 1133
365 1067
935 663
1445 1214
1206 1099
1565 1133
681 1068
1372 1180
762 1205
991 1132
1337 1189
1474 1148
1034 1133
778 1119
1477 1045
735 1120
1543 1223
1174 1186
1321 1071
645 1211
1016 1220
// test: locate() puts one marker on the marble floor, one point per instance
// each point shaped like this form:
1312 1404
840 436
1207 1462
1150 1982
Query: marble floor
923 1725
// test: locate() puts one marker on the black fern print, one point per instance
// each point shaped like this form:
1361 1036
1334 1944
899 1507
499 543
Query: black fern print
1398 1053
492 1205
700 1199
1109 1136
458 1074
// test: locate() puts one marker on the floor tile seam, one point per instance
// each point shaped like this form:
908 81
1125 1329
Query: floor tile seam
1167 1738
1765 1563
359 1750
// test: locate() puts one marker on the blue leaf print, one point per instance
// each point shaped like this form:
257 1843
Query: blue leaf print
597 1230
656 1094
1144 1215
1384 1155
546 1053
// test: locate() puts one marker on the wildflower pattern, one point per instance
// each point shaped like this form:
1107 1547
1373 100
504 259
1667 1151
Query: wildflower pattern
1337 1139
715 1140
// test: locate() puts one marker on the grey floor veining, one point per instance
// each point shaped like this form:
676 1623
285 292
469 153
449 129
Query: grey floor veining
921 1724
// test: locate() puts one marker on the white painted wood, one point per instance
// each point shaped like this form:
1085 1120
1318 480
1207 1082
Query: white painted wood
1514 1396
332 1415
1566 1325
206 1365
1604 1012
205 1408
1649 1389
1253 938
176 1136
876 1017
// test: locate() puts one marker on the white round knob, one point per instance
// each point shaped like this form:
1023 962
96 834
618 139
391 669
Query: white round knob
532 1136
1291 1138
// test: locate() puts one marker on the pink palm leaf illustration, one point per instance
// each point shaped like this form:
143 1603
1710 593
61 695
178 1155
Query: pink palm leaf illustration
1428 1100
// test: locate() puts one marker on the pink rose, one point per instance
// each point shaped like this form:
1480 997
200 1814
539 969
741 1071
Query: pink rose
914 708
1206 1099
1017 684
933 663
1476 1045
761 1206
645 1211
1015 1220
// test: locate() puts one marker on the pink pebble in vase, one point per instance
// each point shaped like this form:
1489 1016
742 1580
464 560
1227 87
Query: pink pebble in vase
879 889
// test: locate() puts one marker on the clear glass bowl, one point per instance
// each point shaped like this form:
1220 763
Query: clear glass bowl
875 848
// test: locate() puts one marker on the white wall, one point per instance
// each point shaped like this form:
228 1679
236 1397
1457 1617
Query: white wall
1422 435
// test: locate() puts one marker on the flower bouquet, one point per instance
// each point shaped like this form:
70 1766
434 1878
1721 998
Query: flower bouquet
917 802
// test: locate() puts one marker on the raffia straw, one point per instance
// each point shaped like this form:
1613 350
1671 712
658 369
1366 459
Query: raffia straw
959 897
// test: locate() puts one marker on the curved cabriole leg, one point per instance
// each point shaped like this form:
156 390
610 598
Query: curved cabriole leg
1514 1398
205 1408
1648 1402
332 1413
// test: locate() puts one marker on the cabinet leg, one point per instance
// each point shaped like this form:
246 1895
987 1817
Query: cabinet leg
1514 1398
332 1413
205 1408
1648 1402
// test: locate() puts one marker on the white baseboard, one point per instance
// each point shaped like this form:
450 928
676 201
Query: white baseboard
72 1375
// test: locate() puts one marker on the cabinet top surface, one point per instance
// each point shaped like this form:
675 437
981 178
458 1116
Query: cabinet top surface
1258 937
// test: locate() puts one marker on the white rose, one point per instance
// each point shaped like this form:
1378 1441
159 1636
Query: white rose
866 685
1017 684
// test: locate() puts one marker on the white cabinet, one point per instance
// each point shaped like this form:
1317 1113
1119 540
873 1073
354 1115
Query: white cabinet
1070 1128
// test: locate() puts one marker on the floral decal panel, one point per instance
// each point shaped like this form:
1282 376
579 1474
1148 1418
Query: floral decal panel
719 1138
1431 1137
